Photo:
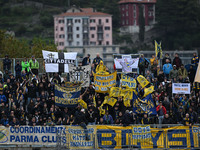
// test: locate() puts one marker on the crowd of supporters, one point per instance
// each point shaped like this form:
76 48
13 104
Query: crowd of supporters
28 99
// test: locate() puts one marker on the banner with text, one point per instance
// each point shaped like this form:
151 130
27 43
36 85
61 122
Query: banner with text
67 97
104 82
127 81
102 136
181 88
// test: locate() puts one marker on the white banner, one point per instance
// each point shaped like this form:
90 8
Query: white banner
30 135
181 88
126 63
58 61
81 74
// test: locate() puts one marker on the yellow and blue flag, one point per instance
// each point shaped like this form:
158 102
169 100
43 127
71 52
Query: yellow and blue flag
82 103
110 101
144 106
67 97
115 92
142 81
148 91
158 50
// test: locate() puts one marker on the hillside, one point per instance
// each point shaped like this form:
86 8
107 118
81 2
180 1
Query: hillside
29 19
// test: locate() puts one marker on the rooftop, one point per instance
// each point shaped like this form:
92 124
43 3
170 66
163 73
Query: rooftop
137 1
88 12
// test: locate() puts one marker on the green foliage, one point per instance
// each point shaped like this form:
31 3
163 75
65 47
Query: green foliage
179 20
46 19
20 30
22 47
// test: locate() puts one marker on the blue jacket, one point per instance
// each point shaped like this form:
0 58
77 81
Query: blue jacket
3 97
167 68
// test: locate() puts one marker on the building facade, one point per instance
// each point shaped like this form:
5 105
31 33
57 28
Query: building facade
82 27
129 11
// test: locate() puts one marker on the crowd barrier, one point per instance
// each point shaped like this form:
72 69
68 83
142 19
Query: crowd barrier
101 136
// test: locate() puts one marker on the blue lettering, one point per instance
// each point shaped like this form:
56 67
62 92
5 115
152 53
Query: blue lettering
17 139
26 130
36 139
155 139
23 138
101 139
11 129
48 139
44 139
29 138
180 139
124 135
12 137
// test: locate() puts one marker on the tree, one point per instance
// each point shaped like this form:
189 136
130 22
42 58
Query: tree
141 24
18 48
179 21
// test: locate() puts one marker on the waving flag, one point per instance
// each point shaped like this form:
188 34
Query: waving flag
58 61
148 91
142 81
158 50
146 105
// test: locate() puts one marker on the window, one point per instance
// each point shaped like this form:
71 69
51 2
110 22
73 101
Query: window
69 29
107 28
92 36
123 22
134 14
104 49
126 21
77 36
56 28
126 6
85 43
85 21
134 22
61 28
107 35
61 43
77 43
127 13
100 43
77 28
69 21
107 20
92 43
70 37
92 28
92 21
99 21
61 36
134 7
107 42
113 49
77 20
70 43
104 56
61 21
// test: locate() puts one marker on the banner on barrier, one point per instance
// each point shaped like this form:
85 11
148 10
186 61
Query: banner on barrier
181 88
28 135
103 136
103 82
